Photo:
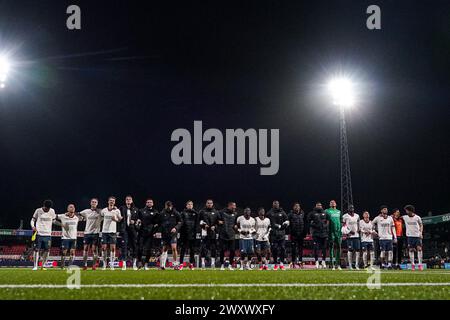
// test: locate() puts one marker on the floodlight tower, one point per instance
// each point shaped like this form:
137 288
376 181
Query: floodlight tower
343 97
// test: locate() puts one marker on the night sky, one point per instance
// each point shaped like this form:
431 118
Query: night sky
90 113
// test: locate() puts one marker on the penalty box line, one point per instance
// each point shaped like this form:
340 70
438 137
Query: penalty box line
223 285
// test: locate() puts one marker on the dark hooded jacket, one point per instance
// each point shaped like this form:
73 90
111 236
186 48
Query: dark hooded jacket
190 224
277 218
317 220
297 224
170 219
122 225
226 230
209 217
150 221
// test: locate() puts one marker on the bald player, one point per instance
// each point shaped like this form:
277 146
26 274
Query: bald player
93 220
69 226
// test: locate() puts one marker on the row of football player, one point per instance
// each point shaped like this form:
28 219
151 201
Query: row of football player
138 227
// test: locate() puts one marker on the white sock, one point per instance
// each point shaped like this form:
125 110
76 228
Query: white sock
36 259
72 259
112 258
419 256
108 258
203 261
134 262
104 258
44 258
349 257
365 258
390 256
163 259
411 256
213 261
382 256
166 257
372 257
85 257
357 259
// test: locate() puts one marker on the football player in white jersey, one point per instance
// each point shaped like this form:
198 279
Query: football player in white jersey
69 226
93 220
246 229
414 230
41 223
367 234
351 221
262 227
111 215
387 235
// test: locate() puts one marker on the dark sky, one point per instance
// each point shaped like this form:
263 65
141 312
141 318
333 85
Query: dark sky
75 125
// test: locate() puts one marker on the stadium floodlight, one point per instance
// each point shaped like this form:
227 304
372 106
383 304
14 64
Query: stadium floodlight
5 66
342 92
343 95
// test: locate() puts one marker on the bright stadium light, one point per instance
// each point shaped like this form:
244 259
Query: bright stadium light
4 70
342 92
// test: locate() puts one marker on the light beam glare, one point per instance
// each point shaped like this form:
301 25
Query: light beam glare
342 92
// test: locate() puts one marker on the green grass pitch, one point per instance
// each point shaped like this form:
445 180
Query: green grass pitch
222 285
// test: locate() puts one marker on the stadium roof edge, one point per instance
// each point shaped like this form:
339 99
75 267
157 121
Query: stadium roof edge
436 219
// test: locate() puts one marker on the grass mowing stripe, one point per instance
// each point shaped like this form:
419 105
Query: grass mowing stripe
224 285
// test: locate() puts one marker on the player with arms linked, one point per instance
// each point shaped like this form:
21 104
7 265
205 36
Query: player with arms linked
111 216
170 226
209 218
335 234
414 235
41 223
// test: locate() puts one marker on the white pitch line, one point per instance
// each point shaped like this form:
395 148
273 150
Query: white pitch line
399 272
224 285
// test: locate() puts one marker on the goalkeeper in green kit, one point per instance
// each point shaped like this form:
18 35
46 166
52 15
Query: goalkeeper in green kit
335 237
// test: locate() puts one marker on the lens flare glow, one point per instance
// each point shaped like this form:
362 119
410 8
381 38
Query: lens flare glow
342 92
4 70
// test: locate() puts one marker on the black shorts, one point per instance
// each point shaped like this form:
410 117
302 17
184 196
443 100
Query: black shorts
414 242
320 242
367 245
169 240
262 245
68 244
386 245
246 246
109 238
353 244
91 239
43 242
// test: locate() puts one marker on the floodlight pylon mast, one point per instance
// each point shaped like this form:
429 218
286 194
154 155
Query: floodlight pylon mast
346 178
